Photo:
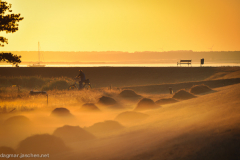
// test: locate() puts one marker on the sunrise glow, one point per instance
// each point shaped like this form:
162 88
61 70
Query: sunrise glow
126 25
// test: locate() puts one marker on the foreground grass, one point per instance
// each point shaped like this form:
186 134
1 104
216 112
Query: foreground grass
14 100
36 82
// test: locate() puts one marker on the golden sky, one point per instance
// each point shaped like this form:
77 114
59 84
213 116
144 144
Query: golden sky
126 25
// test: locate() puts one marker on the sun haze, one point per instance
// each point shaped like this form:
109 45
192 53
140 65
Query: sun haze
126 25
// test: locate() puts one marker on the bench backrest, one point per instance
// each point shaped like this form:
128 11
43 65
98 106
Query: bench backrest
185 60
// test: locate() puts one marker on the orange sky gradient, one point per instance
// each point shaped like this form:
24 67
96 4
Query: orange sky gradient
126 25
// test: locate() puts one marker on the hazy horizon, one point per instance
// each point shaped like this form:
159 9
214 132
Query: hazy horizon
126 25
118 57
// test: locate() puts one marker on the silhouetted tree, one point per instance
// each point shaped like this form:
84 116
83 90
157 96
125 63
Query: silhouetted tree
8 23
10 58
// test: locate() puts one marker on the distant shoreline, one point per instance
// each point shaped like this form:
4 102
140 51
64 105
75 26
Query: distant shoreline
59 64
118 57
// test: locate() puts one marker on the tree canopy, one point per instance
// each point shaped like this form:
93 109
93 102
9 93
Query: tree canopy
9 24
10 58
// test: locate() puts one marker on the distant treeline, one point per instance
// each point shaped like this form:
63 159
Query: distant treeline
136 57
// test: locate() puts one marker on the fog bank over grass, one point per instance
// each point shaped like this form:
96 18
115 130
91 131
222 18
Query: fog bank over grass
204 127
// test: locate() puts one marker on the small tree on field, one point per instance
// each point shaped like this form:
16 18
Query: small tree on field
8 23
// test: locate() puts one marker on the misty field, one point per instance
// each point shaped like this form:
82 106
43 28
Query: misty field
117 120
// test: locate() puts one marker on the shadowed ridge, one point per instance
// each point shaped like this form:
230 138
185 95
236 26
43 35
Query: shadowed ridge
166 101
164 88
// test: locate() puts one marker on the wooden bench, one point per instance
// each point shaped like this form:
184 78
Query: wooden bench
184 62
38 92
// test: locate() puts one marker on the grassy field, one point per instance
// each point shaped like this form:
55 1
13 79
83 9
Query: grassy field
102 123
124 76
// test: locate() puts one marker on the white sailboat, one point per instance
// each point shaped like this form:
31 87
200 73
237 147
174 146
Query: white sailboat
39 57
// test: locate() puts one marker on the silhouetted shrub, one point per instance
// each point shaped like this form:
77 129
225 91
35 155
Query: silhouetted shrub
146 104
182 94
16 128
199 89
106 126
89 107
72 134
43 144
8 152
17 121
131 117
61 112
107 101
129 94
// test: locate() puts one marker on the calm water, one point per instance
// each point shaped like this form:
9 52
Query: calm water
132 65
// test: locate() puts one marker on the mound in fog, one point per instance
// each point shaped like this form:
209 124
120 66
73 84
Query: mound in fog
182 94
146 104
107 101
17 121
129 94
61 112
131 117
72 134
199 89
89 107
105 127
7 150
44 143
166 101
